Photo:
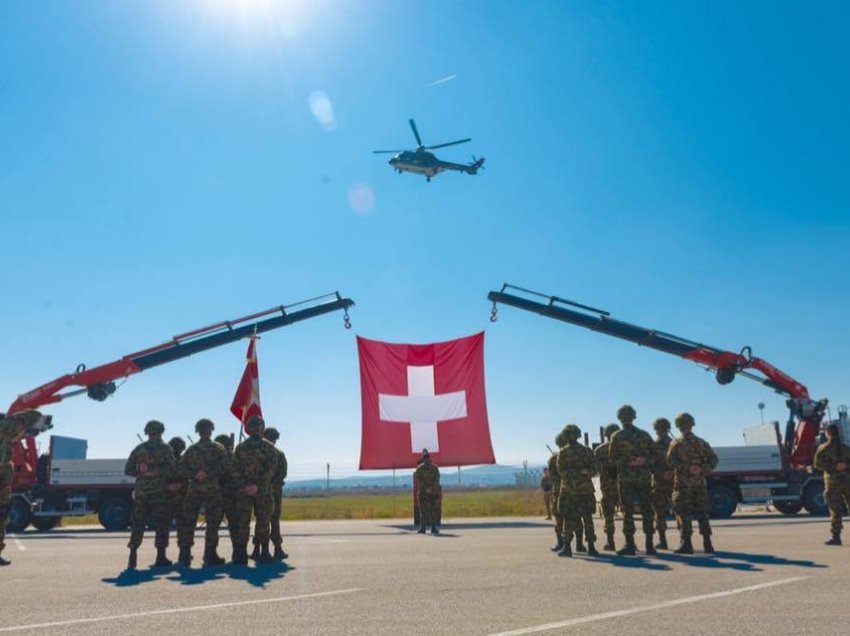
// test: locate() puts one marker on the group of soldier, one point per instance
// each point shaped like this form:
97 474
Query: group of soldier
173 485
634 469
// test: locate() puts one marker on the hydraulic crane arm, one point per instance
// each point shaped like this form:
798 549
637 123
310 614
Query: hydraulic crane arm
99 384
726 364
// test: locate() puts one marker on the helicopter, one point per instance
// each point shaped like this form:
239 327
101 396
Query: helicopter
420 161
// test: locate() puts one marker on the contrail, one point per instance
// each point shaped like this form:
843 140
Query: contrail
448 78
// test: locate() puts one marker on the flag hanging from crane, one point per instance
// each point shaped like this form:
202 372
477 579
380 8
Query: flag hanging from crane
246 402
416 397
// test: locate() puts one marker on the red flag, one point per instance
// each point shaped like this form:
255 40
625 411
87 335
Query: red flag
423 396
246 402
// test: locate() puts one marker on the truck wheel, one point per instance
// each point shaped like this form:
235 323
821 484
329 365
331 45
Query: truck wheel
114 512
814 501
19 515
722 501
43 524
788 507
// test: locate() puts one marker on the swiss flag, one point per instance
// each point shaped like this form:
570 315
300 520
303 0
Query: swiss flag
246 402
423 396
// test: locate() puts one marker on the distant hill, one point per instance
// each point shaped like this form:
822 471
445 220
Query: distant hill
479 476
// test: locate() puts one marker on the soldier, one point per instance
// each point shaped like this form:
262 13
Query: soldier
254 461
556 494
576 467
278 479
12 429
204 464
833 458
634 457
662 480
608 484
546 488
229 491
177 486
152 464
427 476
691 459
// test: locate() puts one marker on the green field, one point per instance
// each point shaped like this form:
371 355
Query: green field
508 502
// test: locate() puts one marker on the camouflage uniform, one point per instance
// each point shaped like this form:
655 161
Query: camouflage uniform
690 493
608 484
278 479
229 489
428 477
662 479
177 497
12 428
634 457
836 481
546 487
577 501
150 495
556 494
207 458
254 461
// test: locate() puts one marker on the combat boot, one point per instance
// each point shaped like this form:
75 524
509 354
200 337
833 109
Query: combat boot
185 557
256 553
8 562
707 546
435 530
686 547
133 560
161 560
421 530
591 549
265 558
566 550
240 555
211 557
630 549
610 545
662 541
279 553
835 540
580 545
650 549
560 544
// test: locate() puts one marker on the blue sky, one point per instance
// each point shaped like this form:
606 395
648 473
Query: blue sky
682 165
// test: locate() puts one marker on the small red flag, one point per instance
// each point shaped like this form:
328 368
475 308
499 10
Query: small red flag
246 402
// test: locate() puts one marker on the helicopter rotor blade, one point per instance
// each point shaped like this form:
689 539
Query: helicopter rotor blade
381 152
415 132
451 143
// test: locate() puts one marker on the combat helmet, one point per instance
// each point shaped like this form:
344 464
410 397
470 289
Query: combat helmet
177 445
255 425
685 421
271 434
661 425
154 427
626 411
204 425
611 429
560 440
571 433
224 440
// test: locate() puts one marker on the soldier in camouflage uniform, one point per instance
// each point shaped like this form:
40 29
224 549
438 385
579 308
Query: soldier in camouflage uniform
634 457
229 490
204 465
556 493
546 489
152 464
608 484
833 458
662 480
278 478
691 459
12 429
177 487
254 462
427 476
576 467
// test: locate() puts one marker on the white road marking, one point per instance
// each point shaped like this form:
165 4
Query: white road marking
176 610
20 545
647 608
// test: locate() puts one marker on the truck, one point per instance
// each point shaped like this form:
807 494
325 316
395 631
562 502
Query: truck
48 487
775 468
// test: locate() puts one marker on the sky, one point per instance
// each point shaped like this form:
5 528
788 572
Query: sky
169 164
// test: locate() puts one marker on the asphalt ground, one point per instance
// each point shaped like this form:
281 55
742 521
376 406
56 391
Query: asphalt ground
771 575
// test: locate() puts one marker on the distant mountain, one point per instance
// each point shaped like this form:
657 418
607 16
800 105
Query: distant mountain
479 476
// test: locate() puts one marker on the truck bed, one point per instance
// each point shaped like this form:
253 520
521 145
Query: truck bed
748 459
67 473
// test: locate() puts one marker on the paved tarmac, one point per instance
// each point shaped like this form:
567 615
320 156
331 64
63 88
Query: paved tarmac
484 577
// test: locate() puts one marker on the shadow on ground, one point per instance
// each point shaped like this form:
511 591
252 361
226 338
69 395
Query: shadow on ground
256 576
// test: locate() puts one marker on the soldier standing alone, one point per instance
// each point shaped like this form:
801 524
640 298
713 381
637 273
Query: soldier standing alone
833 458
634 456
662 480
152 464
577 501
254 461
203 464
608 484
691 459
427 476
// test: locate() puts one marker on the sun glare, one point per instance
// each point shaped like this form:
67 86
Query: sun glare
288 16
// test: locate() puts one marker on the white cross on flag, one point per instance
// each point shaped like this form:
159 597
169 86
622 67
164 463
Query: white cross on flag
417 397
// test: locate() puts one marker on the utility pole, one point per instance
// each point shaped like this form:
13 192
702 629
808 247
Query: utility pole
761 411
